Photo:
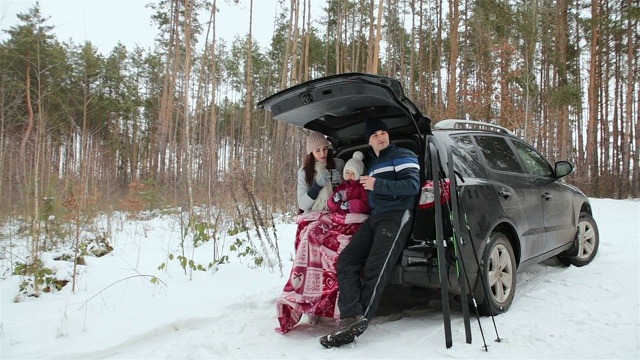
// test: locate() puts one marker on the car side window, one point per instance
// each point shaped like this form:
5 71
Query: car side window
533 161
466 157
498 154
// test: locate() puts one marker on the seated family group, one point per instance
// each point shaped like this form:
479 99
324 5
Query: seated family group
351 231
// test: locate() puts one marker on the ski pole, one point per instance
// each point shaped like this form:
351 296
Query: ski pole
464 269
475 253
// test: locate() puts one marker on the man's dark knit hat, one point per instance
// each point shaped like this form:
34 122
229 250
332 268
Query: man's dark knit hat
372 125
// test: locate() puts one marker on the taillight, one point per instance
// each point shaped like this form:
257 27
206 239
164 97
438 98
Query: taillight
427 195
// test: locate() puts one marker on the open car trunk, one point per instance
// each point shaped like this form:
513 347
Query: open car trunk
338 105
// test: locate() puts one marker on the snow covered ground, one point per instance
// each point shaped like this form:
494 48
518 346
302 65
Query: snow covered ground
118 313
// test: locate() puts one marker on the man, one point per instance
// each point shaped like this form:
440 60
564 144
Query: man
364 266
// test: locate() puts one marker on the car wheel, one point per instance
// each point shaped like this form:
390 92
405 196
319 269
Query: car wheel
588 240
499 274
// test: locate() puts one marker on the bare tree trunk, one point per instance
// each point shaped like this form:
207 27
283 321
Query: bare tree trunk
74 207
628 116
542 135
465 65
27 134
188 164
84 141
529 63
284 79
561 51
307 43
412 82
580 142
618 128
2 136
371 50
133 153
422 69
635 178
327 48
439 99
605 64
454 21
38 153
294 50
158 164
213 127
351 66
249 85
592 127
399 50
282 128
376 46
504 66
358 51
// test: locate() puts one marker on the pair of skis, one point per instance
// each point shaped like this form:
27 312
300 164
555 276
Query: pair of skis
458 243
440 243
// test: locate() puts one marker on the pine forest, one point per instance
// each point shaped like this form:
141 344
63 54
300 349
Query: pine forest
176 125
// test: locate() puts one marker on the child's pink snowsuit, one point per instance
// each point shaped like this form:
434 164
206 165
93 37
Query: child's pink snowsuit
352 192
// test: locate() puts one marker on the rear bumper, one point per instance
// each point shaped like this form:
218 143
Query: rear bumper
419 267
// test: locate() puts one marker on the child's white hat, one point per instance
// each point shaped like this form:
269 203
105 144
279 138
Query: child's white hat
355 164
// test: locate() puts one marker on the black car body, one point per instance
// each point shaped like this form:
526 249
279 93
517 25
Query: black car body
515 208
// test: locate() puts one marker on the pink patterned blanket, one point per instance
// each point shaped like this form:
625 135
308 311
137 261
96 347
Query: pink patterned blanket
312 287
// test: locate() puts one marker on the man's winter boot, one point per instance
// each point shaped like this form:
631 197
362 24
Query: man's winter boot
347 331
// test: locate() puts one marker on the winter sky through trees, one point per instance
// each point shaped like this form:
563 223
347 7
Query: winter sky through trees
106 22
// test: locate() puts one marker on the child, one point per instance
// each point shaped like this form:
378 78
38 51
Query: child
350 196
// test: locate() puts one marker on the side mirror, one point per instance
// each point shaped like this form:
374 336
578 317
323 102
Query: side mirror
563 168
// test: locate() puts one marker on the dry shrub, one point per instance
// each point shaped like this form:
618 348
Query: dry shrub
141 195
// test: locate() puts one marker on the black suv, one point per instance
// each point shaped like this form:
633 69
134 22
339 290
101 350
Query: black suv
513 206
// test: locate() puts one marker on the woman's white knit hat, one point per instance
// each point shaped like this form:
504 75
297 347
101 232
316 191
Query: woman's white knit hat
316 140
354 164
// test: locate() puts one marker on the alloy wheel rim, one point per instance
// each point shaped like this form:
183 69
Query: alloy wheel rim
586 239
500 273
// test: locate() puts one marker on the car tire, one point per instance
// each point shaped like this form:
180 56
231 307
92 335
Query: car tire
588 240
499 275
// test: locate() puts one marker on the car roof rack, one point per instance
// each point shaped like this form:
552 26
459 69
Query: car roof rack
470 124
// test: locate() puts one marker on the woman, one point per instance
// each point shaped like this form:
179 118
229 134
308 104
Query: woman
312 287
318 175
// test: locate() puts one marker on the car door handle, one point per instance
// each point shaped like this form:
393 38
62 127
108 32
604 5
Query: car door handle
504 193
546 195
